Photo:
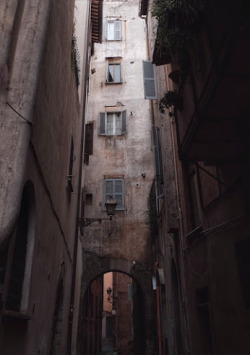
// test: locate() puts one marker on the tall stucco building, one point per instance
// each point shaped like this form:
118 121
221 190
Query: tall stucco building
118 159
42 98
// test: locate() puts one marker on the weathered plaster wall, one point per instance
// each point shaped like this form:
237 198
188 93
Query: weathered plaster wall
19 92
57 117
129 155
114 245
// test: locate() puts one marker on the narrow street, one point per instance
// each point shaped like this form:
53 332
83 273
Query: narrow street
124 177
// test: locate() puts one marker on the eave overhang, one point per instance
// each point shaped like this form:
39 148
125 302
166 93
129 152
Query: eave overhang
96 20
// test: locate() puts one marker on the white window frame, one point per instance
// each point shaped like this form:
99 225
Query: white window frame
116 34
115 194
104 121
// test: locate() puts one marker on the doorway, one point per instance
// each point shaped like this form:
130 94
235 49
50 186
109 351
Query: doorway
113 316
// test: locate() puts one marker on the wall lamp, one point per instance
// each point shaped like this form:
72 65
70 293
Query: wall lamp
112 299
110 209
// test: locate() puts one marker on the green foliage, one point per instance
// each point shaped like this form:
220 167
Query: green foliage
75 58
171 98
182 11
177 25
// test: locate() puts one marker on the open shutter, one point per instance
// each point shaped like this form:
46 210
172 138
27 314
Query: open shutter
149 80
106 29
119 193
108 189
124 121
117 30
102 123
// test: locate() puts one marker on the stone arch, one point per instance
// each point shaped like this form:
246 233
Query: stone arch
96 265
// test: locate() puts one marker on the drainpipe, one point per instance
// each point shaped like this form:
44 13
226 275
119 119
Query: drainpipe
74 266
158 308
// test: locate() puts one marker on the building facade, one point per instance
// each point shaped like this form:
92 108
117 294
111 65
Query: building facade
201 119
43 90
118 158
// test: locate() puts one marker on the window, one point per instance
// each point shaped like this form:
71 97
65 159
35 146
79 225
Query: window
70 169
112 123
89 199
114 188
149 80
193 197
114 73
114 70
114 30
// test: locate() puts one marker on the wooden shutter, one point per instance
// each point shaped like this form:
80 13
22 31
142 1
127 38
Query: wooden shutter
119 193
117 30
88 149
102 123
158 164
124 121
149 80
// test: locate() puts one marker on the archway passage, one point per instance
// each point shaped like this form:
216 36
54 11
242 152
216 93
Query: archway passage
113 321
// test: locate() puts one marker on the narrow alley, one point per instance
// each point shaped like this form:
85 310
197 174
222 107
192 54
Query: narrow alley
124 177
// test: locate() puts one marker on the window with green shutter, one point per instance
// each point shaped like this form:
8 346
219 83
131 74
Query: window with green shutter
149 80
114 188
112 123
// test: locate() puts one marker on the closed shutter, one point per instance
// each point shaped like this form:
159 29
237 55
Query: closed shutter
158 164
88 149
149 80
102 123
124 121
117 30
119 193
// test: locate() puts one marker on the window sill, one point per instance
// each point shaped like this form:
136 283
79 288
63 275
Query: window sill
113 83
16 316
112 135
117 209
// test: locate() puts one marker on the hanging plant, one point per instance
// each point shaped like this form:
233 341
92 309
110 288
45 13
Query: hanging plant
181 12
171 98
177 27
75 58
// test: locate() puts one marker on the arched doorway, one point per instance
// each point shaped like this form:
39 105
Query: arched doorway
113 316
